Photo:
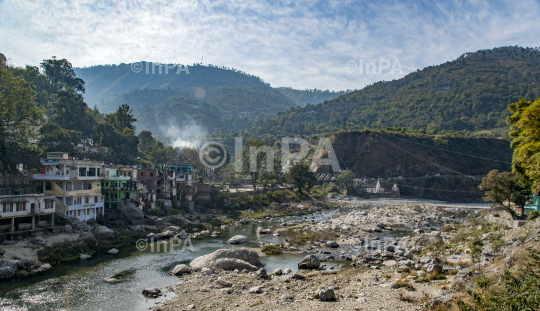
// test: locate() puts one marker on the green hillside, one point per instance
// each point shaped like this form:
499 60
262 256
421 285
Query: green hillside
470 93
303 97
104 82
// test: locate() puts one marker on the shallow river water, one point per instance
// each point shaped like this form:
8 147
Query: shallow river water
80 285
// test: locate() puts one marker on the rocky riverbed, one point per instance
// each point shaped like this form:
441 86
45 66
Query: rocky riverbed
401 257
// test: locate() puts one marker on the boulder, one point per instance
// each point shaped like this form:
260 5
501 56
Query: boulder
333 244
309 262
111 280
261 273
207 271
168 234
286 298
43 268
130 212
79 225
298 276
408 255
84 256
326 294
173 228
277 272
437 268
68 229
238 239
182 235
181 269
223 282
104 232
7 272
261 230
229 259
152 292
87 236
26 263
113 251
255 290
287 271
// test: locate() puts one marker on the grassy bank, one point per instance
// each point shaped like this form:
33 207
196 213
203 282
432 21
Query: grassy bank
69 251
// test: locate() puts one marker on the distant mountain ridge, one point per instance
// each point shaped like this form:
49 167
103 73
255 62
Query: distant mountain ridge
470 93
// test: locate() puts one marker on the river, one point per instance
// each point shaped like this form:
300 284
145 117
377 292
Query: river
80 286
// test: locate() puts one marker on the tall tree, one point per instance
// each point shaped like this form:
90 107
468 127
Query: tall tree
18 110
60 74
525 125
122 118
503 188
71 112
345 180
300 176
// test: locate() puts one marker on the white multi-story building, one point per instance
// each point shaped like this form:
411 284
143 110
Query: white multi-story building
76 184
19 212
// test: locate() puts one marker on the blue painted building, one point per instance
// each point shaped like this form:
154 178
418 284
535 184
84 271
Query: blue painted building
533 204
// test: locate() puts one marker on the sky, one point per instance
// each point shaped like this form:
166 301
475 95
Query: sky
299 44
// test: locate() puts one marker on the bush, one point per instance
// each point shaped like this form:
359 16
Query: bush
2 252
498 245
533 215
272 250
519 290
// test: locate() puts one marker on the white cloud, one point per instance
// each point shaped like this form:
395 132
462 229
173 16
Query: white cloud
302 44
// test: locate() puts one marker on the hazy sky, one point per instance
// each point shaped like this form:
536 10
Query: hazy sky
302 44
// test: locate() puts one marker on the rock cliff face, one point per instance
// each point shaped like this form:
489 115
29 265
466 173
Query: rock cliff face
426 162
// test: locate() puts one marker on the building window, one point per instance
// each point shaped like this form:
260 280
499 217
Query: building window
151 174
82 171
142 174
92 171
78 201
87 200
96 199
87 185
79 213
48 204
88 211
48 186
20 207
8 207
98 172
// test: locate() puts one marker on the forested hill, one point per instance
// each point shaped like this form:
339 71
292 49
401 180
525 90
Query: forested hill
104 82
469 93
215 109
303 97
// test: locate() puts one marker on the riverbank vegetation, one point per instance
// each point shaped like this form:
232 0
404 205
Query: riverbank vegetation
71 250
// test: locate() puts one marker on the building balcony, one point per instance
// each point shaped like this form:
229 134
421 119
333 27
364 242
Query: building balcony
120 178
50 177
75 207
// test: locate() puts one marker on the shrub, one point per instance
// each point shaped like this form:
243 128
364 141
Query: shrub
498 245
407 270
272 250
533 215
2 252
519 290
404 284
